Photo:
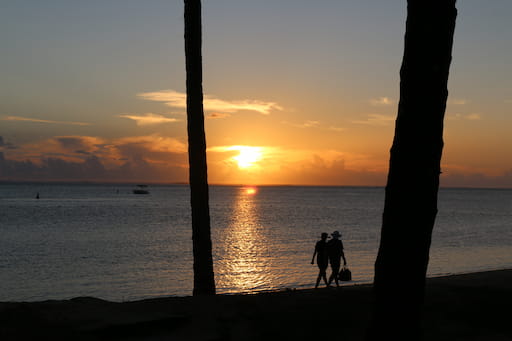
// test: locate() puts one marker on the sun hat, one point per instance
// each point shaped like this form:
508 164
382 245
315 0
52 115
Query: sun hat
336 234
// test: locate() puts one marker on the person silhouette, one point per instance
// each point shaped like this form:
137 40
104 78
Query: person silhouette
335 253
321 259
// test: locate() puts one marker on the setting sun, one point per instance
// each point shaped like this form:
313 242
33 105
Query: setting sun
247 156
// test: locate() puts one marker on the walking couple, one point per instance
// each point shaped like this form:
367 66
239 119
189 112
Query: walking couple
329 252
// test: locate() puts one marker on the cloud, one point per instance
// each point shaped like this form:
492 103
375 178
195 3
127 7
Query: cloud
310 124
459 177
313 124
324 170
306 124
473 117
66 147
377 120
217 115
153 147
457 101
280 166
383 101
92 168
154 143
84 158
379 101
74 143
155 158
469 117
6 145
179 100
170 97
36 120
149 119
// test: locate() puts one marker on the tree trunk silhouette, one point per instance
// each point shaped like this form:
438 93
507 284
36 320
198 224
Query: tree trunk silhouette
413 180
204 282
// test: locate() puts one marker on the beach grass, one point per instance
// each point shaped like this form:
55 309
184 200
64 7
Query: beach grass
472 306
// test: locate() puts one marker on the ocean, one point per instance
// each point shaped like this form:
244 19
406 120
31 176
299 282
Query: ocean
104 241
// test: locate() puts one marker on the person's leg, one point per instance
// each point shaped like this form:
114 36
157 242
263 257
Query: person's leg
335 272
331 277
324 275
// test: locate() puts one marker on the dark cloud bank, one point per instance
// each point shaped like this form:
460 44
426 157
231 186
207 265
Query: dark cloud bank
90 169
137 169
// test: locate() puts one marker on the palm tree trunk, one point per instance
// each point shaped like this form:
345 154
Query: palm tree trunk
410 205
204 282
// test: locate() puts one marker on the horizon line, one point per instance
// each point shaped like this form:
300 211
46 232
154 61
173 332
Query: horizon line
178 183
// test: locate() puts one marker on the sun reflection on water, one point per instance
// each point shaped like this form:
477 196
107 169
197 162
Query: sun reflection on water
245 251
251 190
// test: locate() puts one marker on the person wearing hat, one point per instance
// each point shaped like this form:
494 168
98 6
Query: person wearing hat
335 253
321 259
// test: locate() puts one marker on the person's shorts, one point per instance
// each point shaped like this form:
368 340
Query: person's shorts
323 265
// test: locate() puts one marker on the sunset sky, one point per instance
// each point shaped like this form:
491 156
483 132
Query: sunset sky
296 92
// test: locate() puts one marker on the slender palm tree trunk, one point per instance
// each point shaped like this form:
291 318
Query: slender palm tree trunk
204 282
410 205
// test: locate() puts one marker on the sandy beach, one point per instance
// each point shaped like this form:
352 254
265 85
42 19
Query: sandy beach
461 307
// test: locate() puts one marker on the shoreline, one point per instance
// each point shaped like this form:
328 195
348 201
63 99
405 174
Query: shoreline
244 293
457 307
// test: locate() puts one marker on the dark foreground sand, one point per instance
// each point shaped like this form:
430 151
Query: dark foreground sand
463 307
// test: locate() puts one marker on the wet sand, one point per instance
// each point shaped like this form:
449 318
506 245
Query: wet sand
462 307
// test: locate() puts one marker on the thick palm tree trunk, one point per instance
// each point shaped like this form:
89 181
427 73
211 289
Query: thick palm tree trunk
413 181
204 282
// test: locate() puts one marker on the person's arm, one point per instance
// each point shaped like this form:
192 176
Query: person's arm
343 254
344 259
313 259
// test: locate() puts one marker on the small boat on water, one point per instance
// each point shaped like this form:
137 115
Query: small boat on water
141 189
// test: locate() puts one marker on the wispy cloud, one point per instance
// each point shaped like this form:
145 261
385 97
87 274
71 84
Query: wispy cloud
313 124
170 97
211 103
457 101
469 117
333 128
376 120
473 117
149 119
379 101
310 124
306 124
383 101
216 115
36 120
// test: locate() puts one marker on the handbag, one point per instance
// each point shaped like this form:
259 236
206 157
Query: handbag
345 274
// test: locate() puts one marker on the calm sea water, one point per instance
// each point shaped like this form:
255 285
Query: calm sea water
104 241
